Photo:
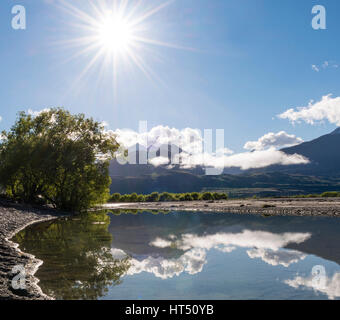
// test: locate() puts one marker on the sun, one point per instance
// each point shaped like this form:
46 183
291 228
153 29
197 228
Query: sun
115 34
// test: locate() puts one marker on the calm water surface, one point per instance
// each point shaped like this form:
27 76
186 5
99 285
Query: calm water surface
186 256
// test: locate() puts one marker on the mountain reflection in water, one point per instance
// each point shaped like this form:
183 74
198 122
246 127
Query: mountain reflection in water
185 256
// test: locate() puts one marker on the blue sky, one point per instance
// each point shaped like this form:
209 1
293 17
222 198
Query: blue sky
251 60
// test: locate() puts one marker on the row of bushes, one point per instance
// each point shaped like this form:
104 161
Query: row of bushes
328 194
168 197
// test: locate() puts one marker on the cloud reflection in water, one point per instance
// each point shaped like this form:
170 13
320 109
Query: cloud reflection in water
264 245
330 287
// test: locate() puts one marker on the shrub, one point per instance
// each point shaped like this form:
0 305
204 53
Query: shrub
166 197
125 198
330 194
223 196
220 196
187 197
141 198
181 198
115 197
153 197
207 196
215 195
312 196
177 196
133 197
195 196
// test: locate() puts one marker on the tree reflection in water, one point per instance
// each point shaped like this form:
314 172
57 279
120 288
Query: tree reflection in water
78 250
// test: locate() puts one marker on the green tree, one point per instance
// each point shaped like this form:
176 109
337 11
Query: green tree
134 197
195 196
125 198
177 196
153 197
216 196
140 198
220 196
330 194
166 197
57 158
115 197
207 196
187 197
223 196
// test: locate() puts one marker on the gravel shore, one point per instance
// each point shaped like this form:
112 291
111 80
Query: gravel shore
14 218
284 207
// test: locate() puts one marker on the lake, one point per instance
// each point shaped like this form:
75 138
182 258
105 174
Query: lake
182 255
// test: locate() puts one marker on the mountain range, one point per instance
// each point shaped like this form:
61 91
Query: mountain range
321 174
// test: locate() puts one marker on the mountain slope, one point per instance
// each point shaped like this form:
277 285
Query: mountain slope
322 174
323 152
262 184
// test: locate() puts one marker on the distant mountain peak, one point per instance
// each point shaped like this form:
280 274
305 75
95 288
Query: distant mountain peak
336 131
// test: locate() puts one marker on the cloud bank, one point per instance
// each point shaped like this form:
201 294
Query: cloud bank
244 160
327 108
277 140
244 239
191 142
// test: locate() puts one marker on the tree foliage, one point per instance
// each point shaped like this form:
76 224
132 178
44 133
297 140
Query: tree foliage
57 158
168 197
207 196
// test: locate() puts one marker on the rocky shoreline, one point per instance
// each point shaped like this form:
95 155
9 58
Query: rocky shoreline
14 218
329 207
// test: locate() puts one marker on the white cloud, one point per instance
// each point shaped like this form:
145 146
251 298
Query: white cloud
315 68
162 243
191 262
330 287
326 109
276 257
191 142
280 139
118 254
226 249
244 239
325 65
0 118
159 161
224 151
267 246
245 160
